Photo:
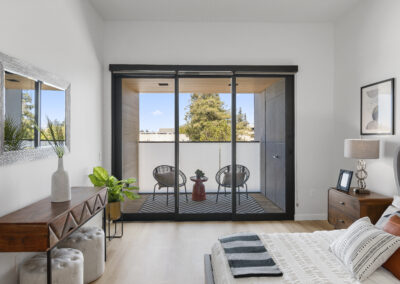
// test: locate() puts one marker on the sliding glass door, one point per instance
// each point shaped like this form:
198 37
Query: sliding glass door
260 139
148 143
206 145
205 127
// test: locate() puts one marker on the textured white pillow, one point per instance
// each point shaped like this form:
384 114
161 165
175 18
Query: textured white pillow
363 248
396 201
389 212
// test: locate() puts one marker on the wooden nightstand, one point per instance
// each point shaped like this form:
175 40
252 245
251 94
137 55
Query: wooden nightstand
345 208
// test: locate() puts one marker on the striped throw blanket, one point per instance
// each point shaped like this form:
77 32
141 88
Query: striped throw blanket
247 256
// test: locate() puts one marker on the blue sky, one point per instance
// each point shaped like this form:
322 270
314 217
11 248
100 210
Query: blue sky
157 109
53 106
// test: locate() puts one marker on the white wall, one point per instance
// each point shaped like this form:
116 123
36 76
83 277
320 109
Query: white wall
367 44
208 157
308 45
63 37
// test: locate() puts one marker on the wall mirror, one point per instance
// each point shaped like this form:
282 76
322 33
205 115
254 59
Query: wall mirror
29 98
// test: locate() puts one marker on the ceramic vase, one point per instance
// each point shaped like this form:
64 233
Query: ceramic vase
60 189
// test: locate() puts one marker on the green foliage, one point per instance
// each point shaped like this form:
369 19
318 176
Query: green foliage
199 173
117 189
58 129
242 126
13 135
208 120
55 135
28 115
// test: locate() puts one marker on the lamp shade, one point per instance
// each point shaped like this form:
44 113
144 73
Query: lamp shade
361 149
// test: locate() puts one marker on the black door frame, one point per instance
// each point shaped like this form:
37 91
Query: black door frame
122 71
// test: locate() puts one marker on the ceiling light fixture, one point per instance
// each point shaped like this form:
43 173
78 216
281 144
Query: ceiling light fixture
13 80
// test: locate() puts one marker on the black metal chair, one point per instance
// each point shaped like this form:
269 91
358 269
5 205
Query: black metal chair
165 177
242 176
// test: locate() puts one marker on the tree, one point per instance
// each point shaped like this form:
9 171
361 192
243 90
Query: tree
58 129
243 129
207 119
28 116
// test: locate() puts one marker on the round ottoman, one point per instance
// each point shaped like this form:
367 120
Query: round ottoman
90 241
67 268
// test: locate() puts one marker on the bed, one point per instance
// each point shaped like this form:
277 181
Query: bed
302 257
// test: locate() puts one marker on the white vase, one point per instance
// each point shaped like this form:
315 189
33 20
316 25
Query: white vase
60 189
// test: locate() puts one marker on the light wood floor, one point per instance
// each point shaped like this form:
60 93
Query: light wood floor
172 252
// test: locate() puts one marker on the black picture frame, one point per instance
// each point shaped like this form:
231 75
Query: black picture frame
344 180
371 121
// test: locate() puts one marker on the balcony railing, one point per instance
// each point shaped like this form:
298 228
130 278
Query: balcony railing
206 156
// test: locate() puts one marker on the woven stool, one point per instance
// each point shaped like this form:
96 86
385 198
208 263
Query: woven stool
90 241
67 268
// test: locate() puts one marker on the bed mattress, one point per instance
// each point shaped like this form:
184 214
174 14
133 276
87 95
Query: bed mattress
302 257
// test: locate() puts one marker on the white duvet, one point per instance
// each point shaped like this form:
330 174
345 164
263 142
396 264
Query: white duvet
302 257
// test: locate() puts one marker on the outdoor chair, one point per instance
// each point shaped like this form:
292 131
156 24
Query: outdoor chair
224 178
165 177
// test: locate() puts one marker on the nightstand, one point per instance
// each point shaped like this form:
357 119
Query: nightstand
345 208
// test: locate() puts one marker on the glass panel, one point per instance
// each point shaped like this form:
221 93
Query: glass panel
260 149
148 136
52 109
205 148
19 127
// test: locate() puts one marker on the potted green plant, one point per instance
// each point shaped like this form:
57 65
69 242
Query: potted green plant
117 190
13 135
199 174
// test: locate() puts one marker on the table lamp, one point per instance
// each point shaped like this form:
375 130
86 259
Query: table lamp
361 149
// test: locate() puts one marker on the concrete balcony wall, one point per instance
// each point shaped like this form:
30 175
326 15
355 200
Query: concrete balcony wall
209 157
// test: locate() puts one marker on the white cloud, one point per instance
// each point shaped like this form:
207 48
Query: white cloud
157 112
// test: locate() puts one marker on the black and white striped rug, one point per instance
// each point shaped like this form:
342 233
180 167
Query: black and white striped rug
208 206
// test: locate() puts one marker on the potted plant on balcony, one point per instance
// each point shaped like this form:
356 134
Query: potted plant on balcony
117 190
199 174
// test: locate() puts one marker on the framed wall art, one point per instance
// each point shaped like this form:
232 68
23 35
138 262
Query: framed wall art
377 108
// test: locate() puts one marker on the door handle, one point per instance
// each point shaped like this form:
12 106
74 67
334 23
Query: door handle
275 156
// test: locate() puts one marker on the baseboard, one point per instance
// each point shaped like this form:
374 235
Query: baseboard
303 217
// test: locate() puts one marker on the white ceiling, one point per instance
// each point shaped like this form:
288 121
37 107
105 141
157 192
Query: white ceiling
223 10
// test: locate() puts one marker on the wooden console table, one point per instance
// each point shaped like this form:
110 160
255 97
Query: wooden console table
40 226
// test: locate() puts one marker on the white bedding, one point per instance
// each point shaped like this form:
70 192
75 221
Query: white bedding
302 257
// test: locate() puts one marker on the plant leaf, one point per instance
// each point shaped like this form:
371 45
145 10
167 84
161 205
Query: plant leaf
132 188
100 173
130 195
129 180
95 181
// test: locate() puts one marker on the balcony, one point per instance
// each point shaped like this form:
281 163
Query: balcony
208 157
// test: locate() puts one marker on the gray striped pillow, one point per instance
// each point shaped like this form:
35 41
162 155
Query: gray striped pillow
363 248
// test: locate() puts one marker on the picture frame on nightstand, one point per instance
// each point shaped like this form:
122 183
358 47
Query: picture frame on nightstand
344 180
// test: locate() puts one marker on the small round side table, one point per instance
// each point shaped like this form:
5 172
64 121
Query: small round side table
199 190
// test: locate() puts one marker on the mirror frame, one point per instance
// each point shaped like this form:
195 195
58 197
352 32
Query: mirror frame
22 68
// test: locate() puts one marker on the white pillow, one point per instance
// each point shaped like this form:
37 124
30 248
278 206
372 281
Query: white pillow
396 201
363 248
389 212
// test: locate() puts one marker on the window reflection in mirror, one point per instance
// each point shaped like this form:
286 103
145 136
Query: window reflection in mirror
52 101
19 126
